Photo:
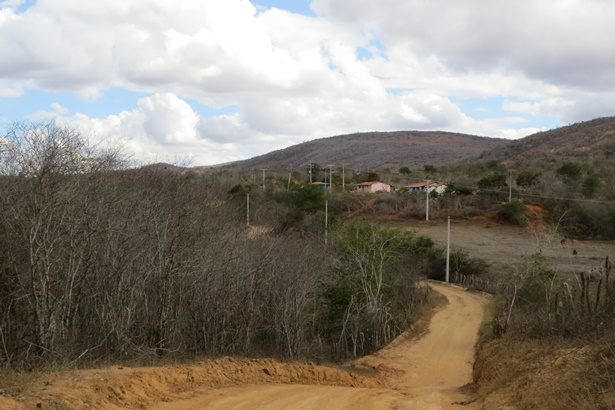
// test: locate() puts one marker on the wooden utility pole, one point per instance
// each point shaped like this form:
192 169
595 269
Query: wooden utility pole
289 175
311 173
343 179
427 205
448 250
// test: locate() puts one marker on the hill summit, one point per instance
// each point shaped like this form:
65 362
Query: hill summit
581 140
376 150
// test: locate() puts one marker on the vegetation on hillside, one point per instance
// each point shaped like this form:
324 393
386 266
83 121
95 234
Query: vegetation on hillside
102 262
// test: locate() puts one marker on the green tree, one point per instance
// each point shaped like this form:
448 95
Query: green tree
570 172
430 169
514 212
493 181
404 170
591 185
373 287
315 170
372 176
527 179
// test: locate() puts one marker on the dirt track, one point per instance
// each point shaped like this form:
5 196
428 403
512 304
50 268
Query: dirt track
409 373
424 373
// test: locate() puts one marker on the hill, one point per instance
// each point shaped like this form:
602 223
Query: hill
376 150
581 140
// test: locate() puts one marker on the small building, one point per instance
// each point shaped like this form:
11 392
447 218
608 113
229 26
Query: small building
424 186
373 187
325 186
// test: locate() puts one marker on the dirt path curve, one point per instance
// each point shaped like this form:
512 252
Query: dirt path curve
420 374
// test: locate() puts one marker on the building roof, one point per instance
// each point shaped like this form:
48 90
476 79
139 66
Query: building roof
368 183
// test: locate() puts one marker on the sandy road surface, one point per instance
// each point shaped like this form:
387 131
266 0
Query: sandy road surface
420 374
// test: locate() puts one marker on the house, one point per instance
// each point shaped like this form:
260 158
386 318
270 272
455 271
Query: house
424 186
325 186
373 187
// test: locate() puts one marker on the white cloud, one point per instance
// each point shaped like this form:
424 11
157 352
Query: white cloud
566 42
295 77
162 127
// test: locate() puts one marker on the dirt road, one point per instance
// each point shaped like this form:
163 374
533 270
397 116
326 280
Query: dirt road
420 374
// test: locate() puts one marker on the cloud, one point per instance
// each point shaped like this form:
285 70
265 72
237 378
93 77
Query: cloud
567 42
162 127
295 77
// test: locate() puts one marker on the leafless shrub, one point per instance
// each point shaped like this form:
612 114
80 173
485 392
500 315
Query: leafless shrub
101 262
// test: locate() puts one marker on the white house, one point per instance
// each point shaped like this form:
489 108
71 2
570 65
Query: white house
425 186
373 187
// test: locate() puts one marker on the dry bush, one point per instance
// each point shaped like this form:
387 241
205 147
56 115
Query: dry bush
538 303
99 262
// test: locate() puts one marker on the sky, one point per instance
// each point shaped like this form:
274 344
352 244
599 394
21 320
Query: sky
212 81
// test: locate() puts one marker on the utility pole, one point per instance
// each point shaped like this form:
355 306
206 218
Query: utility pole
310 172
509 187
289 175
326 222
448 250
343 179
427 205
248 209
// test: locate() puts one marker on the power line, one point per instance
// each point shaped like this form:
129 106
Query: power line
597 201
558 198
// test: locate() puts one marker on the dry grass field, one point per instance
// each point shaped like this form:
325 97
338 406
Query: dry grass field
503 246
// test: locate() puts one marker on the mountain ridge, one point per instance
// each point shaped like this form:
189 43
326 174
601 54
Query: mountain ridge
579 140
375 150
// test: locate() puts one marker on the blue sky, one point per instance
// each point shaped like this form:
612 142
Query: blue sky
112 100
296 6
227 79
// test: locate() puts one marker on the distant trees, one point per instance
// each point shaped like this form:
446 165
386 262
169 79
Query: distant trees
515 213
404 170
102 262
430 169
367 177
570 172
373 290
527 179
315 169
590 185
493 181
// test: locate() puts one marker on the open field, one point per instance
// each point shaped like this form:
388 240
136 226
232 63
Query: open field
504 246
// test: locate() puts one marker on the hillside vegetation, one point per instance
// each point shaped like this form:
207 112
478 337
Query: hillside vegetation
595 138
375 150
100 262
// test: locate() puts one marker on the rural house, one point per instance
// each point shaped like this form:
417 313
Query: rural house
373 187
425 186
325 186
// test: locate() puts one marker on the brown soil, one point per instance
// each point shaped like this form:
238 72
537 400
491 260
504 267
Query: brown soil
423 373
409 373
503 246
129 387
